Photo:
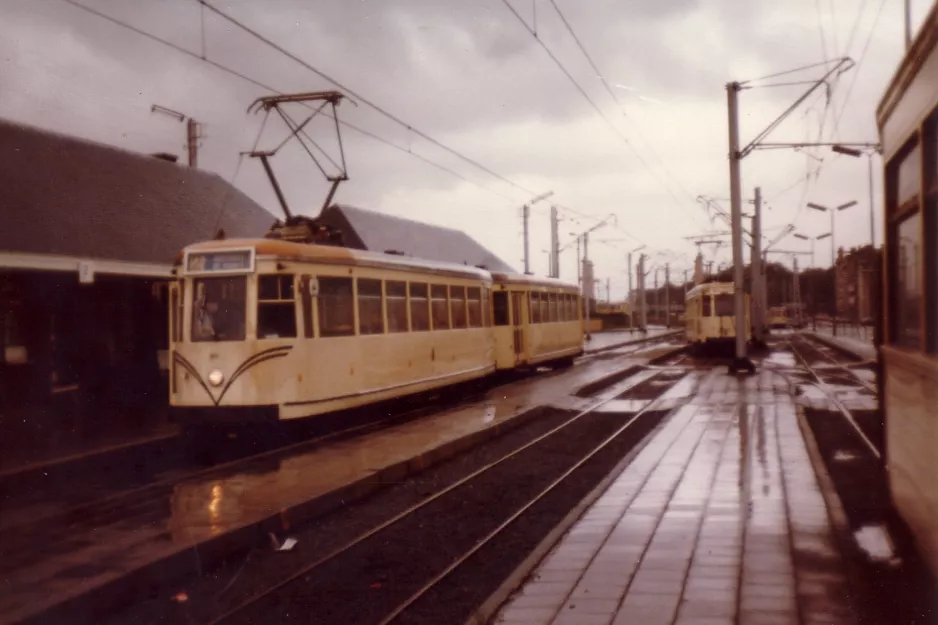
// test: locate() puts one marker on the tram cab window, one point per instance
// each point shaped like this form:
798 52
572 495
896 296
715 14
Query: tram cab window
439 306
535 307
419 307
500 308
396 293
474 304
705 303
370 311
219 306
276 307
723 305
907 278
457 298
335 307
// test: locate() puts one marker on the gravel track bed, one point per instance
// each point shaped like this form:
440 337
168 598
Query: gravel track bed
366 582
891 596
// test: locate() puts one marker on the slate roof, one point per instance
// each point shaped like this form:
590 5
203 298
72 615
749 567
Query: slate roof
377 232
67 196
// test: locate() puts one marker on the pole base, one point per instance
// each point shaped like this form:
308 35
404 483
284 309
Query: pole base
741 365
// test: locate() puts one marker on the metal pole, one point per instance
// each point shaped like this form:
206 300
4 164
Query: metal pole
630 299
525 213
579 266
667 295
834 271
554 244
587 280
192 141
908 24
641 293
758 309
870 176
736 215
657 300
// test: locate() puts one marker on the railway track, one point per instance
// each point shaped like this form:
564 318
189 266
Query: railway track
430 550
851 444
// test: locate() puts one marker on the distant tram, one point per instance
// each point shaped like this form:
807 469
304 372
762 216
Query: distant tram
268 330
709 314
907 118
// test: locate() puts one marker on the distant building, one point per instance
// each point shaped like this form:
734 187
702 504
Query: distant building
88 235
367 230
856 273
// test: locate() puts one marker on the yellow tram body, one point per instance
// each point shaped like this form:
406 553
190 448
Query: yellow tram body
709 314
272 330
778 317
907 118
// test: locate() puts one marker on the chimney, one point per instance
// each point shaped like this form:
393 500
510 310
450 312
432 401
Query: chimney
165 156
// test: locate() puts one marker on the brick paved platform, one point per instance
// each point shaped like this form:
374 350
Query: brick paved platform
719 520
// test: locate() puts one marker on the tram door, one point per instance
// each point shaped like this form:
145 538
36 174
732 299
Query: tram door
517 324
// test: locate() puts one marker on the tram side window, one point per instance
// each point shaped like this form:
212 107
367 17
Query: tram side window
907 278
457 299
419 307
500 307
705 305
534 309
486 297
474 303
396 293
552 307
569 312
439 307
276 306
335 307
370 313
545 308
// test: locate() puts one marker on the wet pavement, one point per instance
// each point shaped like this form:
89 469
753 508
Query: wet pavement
718 520
614 338
862 348
178 521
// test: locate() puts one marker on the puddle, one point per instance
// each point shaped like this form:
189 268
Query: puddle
783 359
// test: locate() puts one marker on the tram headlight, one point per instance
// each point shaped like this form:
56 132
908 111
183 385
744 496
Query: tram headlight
216 377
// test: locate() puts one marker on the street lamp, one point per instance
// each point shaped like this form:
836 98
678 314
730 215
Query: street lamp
803 237
855 153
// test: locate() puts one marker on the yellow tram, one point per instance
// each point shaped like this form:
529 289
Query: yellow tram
709 314
270 330
778 317
907 118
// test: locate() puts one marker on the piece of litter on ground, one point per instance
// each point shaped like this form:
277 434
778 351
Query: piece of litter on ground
180 597
287 545
875 541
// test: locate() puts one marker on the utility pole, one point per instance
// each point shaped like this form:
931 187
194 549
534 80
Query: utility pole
757 282
657 299
796 289
192 131
641 292
741 360
525 214
608 292
554 244
667 295
685 283
908 24
579 267
587 280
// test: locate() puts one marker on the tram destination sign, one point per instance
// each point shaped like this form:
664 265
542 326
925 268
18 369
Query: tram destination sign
227 261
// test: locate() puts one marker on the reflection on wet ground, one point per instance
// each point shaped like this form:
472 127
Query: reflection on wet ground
718 519
160 521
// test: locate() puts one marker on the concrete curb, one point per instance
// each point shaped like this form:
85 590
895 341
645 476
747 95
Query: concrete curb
489 608
591 388
846 544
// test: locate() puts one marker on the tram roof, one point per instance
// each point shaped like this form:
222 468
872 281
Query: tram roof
330 254
516 278
712 287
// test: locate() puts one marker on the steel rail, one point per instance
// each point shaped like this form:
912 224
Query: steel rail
841 365
824 387
414 508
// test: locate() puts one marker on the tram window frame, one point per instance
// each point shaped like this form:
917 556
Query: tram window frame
706 306
930 230
369 296
419 292
177 304
439 306
534 302
552 313
276 306
395 302
474 306
486 311
335 306
457 306
306 305
545 307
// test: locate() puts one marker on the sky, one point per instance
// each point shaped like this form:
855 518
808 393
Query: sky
626 148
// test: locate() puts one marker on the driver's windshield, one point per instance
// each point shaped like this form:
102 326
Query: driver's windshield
218 309
723 305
